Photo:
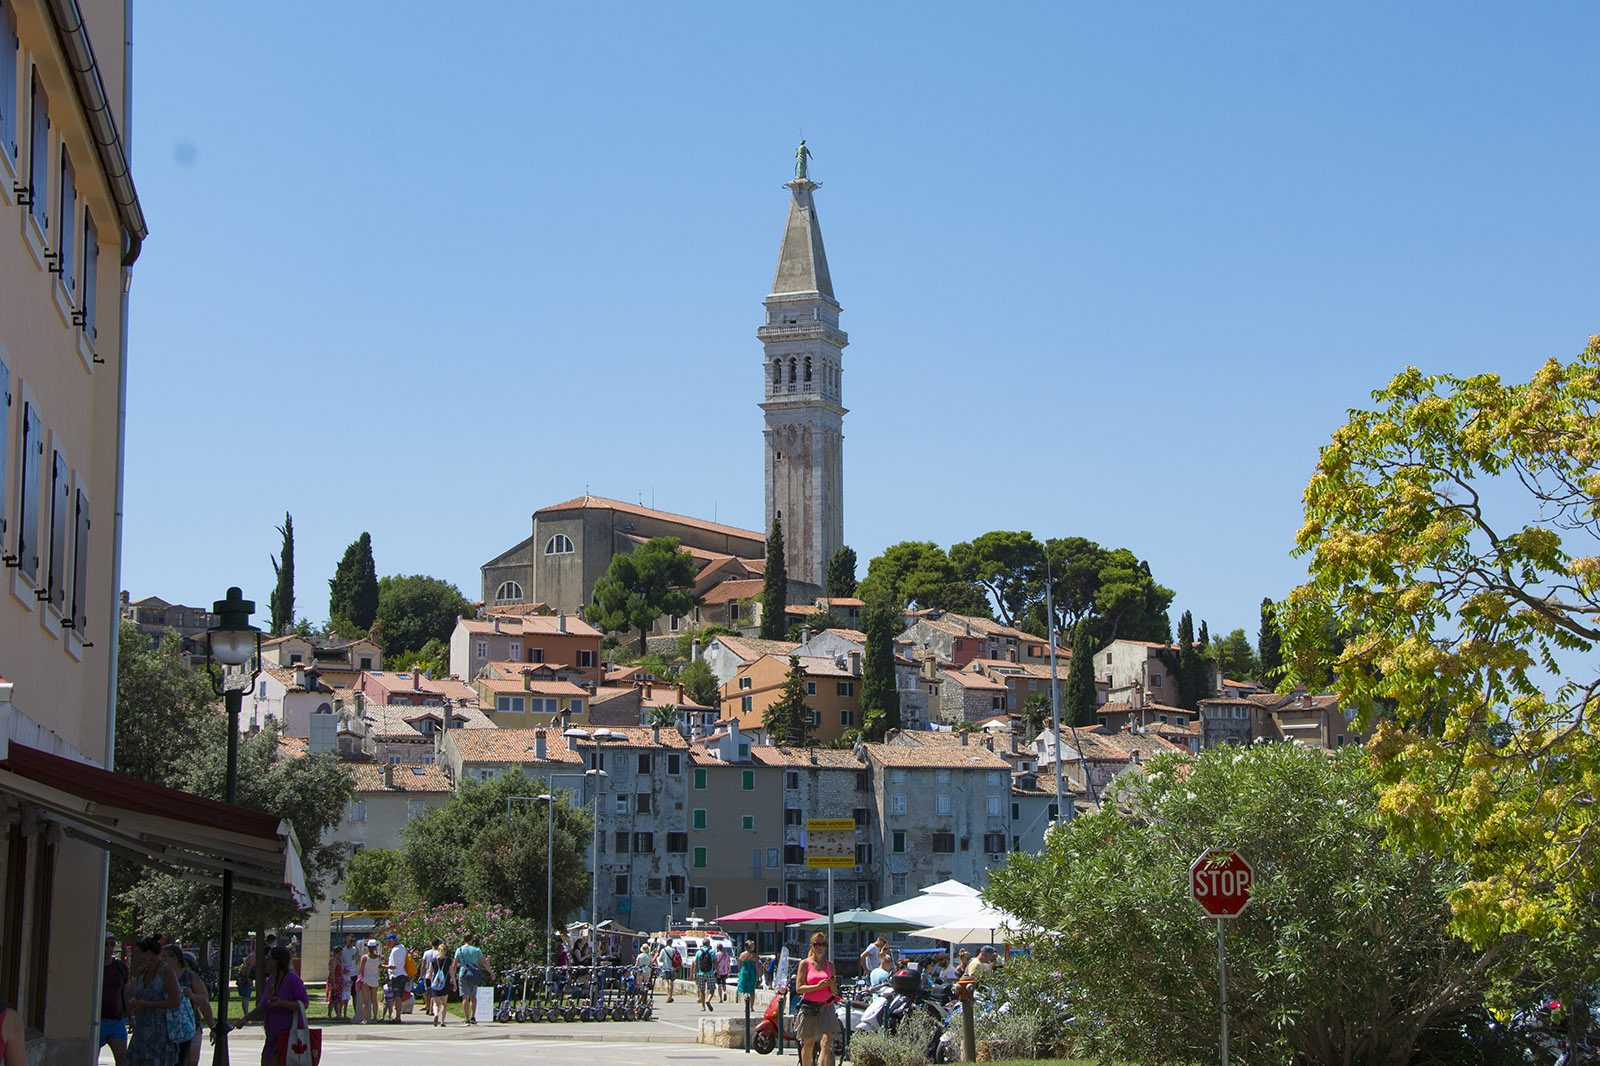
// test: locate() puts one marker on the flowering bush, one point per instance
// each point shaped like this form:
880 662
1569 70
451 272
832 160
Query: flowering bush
507 939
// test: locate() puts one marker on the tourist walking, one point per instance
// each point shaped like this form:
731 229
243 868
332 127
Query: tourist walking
470 970
749 972
668 961
724 968
814 980
155 991
369 978
283 997
872 958
113 1003
399 980
705 975
337 985
194 989
436 979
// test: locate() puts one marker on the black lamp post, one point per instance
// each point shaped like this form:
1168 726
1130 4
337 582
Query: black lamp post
231 642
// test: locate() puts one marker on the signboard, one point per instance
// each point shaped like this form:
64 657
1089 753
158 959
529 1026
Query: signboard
1220 882
831 843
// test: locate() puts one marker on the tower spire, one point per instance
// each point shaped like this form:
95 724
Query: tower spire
803 374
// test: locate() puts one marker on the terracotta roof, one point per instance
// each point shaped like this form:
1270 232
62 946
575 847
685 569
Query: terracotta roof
150 601
974 680
368 777
842 601
1228 701
394 721
728 591
816 665
506 609
512 746
801 610
539 624
285 675
628 673
404 681
826 758
750 648
511 686
601 503
293 747
948 756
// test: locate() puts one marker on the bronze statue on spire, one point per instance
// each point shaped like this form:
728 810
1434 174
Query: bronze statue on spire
801 154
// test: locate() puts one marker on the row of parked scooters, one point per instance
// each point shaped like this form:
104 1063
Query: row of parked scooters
887 1007
571 994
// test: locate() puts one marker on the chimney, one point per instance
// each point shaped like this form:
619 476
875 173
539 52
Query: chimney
805 634
388 775
527 679
538 745
964 738
647 690
1011 653
855 664
299 675
124 597
694 650
988 741
416 680
561 621
679 688
494 619
813 753
655 734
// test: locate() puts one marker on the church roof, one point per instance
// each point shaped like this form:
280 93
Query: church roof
600 503
802 262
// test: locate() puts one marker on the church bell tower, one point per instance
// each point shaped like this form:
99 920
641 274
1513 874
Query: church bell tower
803 375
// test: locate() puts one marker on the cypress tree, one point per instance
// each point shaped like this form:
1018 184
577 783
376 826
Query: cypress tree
775 587
841 581
282 602
1079 704
880 700
1193 670
788 721
1269 642
353 590
1205 635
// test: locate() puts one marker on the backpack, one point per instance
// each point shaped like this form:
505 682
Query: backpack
411 965
677 960
706 961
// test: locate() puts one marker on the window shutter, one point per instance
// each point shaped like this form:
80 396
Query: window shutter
91 270
80 564
65 240
9 46
5 390
60 505
28 506
38 151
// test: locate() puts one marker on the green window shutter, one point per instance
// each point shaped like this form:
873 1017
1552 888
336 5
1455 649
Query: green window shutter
699 858
700 780
748 780
747 822
699 817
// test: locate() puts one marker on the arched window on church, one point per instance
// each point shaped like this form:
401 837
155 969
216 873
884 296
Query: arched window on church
791 370
560 544
808 368
777 371
509 592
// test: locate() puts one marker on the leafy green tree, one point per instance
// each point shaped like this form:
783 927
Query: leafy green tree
353 590
788 720
880 697
1129 602
1075 565
414 609
1080 703
1234 656
686 641
1008 566
1450 530
158 698
700 684
310 791
1037 714
640 586
375 880
841 581
433 659
281 605
1269 643
508 940
920 572
503 829
1344 955
774 586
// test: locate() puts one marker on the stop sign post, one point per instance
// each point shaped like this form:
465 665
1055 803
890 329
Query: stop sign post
1221 882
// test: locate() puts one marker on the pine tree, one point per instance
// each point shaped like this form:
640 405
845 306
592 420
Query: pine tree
842 573
788 721
353 590
775 587
282 602
880 699
1269 642
1079 704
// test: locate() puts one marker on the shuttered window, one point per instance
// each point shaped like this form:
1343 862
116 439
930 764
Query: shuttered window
5 418
9 46
38 151
60 520
67 212
91 281
28 504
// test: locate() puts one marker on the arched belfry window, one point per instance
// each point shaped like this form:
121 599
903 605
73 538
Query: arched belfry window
791 370
777 371
808 368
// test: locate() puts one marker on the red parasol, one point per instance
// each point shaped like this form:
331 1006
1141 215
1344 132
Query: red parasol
780 913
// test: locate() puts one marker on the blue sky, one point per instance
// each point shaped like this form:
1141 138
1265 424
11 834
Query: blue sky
1109 270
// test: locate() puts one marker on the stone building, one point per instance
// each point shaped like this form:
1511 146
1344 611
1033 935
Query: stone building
735 828
559 640
153 616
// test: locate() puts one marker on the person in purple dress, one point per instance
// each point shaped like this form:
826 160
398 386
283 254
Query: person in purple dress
283 997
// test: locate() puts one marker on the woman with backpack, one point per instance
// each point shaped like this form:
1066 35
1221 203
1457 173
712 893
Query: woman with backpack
436 981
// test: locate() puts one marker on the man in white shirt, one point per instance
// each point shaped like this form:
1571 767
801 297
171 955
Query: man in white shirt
397 972
348 956
872 958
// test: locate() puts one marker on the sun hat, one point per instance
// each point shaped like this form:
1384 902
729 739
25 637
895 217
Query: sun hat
372 943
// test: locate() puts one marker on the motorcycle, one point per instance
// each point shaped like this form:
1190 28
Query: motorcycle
893 1005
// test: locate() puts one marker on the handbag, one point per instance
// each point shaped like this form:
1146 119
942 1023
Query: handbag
180 1022
810 1008
301 1045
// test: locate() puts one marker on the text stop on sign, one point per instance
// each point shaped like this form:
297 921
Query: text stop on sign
1220 881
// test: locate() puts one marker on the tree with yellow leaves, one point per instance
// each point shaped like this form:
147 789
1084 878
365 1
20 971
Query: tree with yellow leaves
1453 538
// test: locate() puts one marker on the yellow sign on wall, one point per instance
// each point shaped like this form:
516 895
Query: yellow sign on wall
830 843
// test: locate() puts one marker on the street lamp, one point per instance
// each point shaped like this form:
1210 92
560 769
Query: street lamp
594 878
549 801
231 642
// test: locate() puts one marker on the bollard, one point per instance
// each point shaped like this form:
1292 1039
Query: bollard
747 1000
969 1036
782 996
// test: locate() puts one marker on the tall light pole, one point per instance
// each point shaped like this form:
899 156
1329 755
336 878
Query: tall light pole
1055 686
594 877
230 642
549 801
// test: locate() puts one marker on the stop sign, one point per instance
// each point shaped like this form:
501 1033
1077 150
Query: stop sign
1220 882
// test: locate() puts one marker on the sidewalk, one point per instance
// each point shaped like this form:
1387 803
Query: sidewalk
672 1023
